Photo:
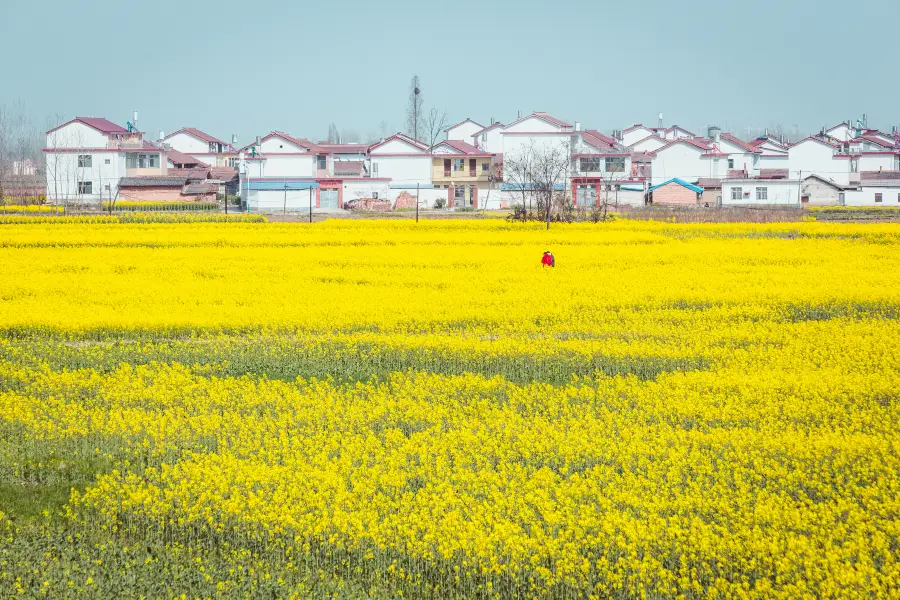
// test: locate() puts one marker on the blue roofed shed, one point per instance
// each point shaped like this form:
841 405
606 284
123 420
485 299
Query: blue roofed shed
676 192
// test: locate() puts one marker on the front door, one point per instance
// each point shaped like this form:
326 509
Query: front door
328 198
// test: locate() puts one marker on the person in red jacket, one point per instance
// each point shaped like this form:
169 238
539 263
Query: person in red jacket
548 260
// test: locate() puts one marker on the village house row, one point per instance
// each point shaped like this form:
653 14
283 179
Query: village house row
91 159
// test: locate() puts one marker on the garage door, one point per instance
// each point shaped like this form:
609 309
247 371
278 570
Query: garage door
328 198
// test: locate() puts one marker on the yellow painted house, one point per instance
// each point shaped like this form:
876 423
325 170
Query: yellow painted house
464 171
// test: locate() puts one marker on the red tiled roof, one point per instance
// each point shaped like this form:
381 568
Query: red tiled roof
344 148
773 173
709 182
543 117
691 142
222 173
489 127
461 146
200 188
188 174
99 123
641 157
608 140
402 137
179 158
299 142
680 128
874 140
736 174
197 134
879 175
636 126
348 167
462 122
737 142
815 139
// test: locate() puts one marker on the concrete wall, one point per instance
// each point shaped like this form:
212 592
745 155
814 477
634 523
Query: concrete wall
674 194
153 194
396 147
277 145
531 125
270 201
491 141
890 196
820 193
778 192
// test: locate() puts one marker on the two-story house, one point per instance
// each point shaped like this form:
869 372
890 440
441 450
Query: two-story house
464 131
200 145
87 157
465 172
601 167
406 163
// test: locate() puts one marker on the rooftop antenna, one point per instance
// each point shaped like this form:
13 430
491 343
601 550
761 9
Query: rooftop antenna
660 121
134 120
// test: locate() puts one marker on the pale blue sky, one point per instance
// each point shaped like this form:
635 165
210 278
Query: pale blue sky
250 67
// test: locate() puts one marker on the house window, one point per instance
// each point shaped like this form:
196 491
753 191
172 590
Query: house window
485 167
615 164
84 160
878 197
321 161
374 195
459 192
374 169
730 163
106 161
762 193
142 161
459 164
589 164
85 187
737 193
854 165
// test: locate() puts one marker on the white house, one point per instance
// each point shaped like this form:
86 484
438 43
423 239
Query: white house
773 153
489 138
814 156
842 132
761 192
741 156
676 133
880 193
88 156
404 161
601 166
538 131
688 160
877 153
639 132
200 145
464 131
651 143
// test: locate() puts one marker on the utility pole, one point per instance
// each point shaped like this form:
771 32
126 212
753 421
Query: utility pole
285 197
800 188
310 203
417 203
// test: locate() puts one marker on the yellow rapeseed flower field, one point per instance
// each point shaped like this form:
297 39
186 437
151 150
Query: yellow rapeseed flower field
377 409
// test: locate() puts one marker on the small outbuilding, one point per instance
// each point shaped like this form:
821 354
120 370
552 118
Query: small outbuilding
676 192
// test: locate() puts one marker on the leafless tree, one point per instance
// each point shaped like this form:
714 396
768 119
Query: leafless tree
549 169
333 136
517 174
434 126
415 115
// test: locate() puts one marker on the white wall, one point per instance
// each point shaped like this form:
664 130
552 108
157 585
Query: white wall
680 160
637 135
277 145
492 141
77 135
865 196
532 124
842 132
810 157
648 145
354 190
269 201
464 132
410 169
188 144
396 147
427 197
772 161
779 192
63 175
288 166
877 162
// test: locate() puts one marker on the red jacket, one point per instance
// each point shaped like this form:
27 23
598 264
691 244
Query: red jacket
547 259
